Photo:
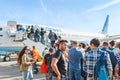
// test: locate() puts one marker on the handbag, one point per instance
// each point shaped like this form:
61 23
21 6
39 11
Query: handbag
43 68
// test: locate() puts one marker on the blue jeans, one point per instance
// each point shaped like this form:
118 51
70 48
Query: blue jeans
74 74
42 40
27 75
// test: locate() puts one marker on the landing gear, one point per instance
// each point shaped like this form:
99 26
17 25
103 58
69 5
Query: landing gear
7 58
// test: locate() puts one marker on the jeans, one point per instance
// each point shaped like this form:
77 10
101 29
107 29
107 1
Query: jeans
35 69
74 74
52 43
42 40
37 37
27 75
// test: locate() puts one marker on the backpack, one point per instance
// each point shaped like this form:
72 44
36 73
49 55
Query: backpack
101 70
55 36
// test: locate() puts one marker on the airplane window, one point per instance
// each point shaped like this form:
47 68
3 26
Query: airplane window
46 28
0 29
1 35
56 30
50 28
53 30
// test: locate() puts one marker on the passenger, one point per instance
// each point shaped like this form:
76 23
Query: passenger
42 32
80 47
36 36
111 46
21 28
46 51
87 49
58 62
117 48
28 30
32 33
118 61
58 41
25 64
35 56
117 54
91 58
75 57
48 58
112 58
53 37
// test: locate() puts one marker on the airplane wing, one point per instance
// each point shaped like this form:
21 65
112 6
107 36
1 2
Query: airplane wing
109 38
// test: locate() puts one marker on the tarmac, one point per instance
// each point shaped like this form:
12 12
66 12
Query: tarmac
10 70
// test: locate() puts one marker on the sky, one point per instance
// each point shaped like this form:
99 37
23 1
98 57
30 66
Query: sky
80 15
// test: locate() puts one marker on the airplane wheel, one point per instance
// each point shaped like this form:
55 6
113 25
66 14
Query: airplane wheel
6 58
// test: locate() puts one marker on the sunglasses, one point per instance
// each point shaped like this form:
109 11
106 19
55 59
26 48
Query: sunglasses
28 49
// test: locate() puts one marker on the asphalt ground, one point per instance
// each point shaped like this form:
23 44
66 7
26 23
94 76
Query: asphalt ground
10 70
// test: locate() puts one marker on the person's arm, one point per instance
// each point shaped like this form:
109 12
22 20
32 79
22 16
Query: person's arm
84 62
24 60
55 68
109 65
35 56
116 72
115 66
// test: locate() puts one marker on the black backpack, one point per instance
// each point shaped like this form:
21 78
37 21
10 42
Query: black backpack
55 36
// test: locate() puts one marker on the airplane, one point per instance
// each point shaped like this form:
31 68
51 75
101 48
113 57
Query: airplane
12 40
72 35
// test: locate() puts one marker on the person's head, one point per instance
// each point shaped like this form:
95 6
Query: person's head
26 49
28 26
112 43
105 45
83 45
51 51
32 26
42 29
118 45
94 43
74 44
50 31
33 47
63 45
59 37
79 46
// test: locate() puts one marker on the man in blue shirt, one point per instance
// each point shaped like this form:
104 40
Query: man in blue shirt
91 58
74 56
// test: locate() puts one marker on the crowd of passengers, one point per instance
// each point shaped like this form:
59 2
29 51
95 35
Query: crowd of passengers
41 35
75 63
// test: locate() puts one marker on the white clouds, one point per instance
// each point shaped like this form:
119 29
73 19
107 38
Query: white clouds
44 8
101 7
